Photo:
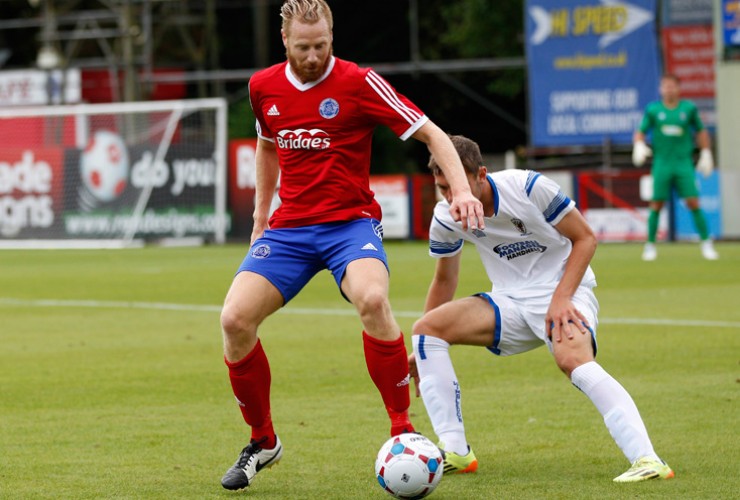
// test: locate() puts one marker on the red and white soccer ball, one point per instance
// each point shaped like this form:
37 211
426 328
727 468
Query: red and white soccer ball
409 466
104 166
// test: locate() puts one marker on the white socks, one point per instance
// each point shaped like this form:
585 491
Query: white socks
618 409
441 391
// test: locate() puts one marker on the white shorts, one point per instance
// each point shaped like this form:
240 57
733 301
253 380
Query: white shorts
520 322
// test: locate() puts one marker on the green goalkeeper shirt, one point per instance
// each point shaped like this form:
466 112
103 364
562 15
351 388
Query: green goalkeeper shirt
672 130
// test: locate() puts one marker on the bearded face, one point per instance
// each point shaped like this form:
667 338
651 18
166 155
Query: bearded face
308 48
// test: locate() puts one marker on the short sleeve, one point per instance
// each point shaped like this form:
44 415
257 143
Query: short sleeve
263 132
547 196
647 121
444 239
695 118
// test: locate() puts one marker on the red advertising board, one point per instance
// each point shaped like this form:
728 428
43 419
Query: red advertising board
98 86
41 130
392 193
423 201
31 188
689 54
241 182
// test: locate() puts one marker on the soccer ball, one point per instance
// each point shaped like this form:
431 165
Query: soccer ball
104 166
409 466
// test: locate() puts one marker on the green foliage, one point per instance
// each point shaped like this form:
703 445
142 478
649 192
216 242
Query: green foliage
391 155
127 396
241 120
471 29
483 28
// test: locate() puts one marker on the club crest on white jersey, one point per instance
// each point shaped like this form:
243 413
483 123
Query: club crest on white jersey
303 139
519 225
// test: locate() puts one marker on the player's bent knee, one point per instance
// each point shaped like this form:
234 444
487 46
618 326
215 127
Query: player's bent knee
233 324
426 326
421 326
567 362
373 302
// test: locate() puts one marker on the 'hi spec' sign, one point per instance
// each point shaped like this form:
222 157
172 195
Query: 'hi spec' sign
593 67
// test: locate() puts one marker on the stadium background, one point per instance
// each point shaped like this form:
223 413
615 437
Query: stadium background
471 65
111 376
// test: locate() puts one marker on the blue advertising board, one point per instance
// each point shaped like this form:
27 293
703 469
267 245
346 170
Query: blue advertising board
711 205
731 22
593 67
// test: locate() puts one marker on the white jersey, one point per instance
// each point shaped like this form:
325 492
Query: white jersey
523 254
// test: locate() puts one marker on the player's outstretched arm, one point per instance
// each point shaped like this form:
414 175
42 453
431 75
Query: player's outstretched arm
444 283
465 207
267 173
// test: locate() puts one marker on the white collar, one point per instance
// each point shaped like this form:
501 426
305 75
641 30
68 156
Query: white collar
308 85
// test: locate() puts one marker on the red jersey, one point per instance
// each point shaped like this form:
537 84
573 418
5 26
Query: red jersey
323 132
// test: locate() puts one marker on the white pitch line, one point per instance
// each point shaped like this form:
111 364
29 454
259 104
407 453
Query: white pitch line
166 306
104 304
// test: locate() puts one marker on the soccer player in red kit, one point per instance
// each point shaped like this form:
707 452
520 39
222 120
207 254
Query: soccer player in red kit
316 115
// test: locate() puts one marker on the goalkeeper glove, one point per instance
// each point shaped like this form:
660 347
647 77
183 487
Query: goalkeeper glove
640 152
705 165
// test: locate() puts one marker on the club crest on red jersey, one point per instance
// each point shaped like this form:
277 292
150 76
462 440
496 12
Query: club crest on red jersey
329 108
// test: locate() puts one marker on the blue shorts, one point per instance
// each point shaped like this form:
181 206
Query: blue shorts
290 257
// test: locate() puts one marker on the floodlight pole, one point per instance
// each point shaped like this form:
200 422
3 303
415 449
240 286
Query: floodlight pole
415 55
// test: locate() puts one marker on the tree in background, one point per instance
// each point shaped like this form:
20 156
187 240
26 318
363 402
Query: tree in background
479 29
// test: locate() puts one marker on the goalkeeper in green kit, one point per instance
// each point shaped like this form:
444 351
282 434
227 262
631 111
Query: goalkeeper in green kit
673 122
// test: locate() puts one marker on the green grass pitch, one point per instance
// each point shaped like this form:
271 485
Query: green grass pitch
112 382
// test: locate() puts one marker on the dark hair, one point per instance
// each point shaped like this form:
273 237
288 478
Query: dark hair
469 154
671 76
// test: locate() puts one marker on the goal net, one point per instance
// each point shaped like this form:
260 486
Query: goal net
113 175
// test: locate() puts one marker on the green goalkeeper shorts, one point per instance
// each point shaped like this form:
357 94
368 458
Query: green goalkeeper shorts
679 175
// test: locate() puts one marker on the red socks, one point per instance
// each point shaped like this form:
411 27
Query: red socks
250 381
387 363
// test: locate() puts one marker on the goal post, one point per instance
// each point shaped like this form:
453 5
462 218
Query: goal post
113 175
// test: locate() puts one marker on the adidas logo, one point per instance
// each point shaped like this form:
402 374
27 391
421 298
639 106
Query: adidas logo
369 246
273 111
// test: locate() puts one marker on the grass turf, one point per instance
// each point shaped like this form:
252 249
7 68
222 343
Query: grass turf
112 382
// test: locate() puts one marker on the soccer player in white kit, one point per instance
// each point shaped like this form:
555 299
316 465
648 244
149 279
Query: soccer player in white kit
536 248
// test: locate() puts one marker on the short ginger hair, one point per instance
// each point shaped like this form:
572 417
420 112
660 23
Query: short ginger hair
305 11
